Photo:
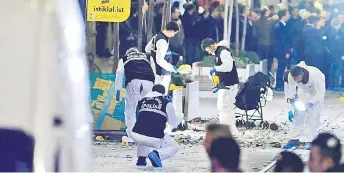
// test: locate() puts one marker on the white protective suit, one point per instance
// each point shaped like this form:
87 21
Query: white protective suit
313 92
136 89
162 48
226 97
166 146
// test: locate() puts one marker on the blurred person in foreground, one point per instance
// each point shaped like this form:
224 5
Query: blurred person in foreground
227 88
225 155
325 154
288 162
154 112
305 92
139 74
213 132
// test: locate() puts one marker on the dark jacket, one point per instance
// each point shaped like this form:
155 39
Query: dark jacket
208 28
313 49
335 43
281 42
233 28
176 42
189 23
295 28
251 41
262 30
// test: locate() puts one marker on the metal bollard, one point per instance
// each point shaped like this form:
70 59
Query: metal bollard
250 70
192 101
177 101
264 66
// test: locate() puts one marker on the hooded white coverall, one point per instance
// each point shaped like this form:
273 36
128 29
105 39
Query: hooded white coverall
226 97
311 92
162 48
136 89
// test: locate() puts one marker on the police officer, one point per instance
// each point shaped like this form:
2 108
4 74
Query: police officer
138 69
227 89
158 48
154 110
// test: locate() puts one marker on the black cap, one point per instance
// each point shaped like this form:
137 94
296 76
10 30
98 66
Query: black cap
159 88
329 145
207 43
289 162
296 71
227 151
172 26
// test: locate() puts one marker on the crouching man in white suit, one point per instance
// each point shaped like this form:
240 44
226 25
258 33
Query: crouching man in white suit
308 83
154 111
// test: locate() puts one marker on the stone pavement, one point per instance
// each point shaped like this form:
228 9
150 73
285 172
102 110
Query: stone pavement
192 158
113 157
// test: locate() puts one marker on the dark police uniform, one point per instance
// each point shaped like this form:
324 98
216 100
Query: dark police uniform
137 66
152 116
154 111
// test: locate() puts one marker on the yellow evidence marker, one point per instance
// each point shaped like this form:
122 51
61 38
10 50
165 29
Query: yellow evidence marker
124 143
341 98
100 138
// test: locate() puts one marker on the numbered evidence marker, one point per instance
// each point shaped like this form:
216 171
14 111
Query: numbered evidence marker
127 141
108 10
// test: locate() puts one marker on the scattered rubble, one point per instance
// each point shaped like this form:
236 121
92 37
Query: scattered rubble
249 138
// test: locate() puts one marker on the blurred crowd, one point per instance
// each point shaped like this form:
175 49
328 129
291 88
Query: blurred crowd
225 154
284 33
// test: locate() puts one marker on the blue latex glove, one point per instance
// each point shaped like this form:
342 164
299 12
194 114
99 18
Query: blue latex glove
290 116
309 105
291 101
169 98
118 95
213 70
175 68
215 90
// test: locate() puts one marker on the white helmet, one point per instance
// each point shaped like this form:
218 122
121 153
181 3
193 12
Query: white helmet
132 50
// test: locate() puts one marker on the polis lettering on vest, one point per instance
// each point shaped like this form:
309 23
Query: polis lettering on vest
136 56
151 106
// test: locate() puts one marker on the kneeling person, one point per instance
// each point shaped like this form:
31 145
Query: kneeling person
154 110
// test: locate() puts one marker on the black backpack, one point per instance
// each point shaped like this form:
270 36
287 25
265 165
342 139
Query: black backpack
249 95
